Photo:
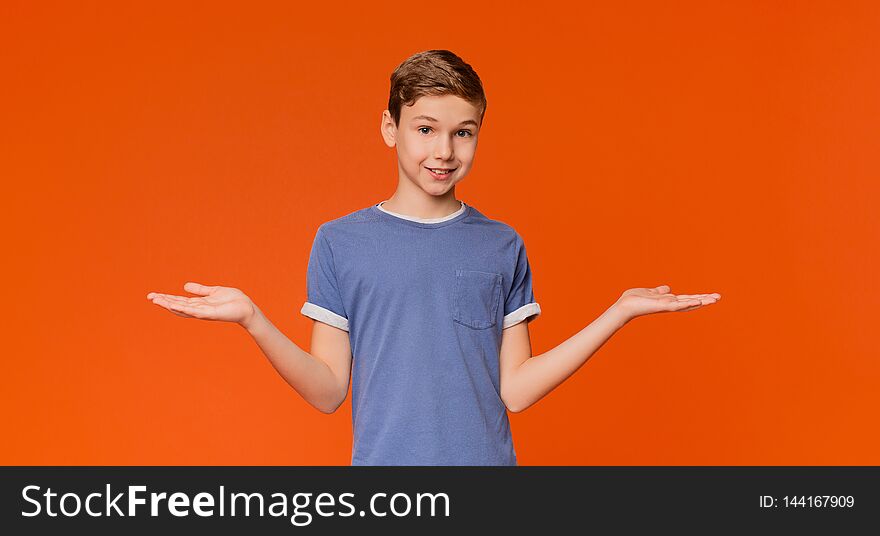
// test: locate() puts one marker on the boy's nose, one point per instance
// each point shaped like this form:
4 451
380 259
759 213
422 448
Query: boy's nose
443 151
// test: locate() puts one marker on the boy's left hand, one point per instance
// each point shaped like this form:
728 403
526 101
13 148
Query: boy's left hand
644 301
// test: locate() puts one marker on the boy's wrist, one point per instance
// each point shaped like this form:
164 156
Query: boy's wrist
253 320
618 314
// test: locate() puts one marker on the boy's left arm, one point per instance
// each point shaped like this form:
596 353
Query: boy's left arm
526 379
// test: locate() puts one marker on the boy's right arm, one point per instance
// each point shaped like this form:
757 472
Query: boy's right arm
320 377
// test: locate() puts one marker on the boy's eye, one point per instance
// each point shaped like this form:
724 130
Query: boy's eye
468 132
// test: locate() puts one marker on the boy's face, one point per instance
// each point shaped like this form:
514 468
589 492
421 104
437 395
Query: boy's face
435 132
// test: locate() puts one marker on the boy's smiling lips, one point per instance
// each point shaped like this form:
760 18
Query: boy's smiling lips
441 177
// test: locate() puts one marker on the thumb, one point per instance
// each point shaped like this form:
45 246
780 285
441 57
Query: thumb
196 288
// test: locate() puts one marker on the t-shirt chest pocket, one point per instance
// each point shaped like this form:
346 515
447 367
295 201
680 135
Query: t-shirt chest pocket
476 298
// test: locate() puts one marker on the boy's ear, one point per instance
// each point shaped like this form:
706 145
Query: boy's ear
388 129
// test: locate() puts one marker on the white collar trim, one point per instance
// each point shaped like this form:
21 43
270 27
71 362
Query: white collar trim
424 220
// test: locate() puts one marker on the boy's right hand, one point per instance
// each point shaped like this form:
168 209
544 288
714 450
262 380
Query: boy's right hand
213 303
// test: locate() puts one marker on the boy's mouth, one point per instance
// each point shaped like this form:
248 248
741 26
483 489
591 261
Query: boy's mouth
440 173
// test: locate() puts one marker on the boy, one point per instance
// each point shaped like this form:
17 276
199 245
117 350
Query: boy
422 299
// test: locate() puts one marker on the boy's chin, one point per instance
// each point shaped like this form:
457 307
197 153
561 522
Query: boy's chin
437 189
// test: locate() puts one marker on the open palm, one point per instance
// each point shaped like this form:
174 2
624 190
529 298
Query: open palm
644 301
213 303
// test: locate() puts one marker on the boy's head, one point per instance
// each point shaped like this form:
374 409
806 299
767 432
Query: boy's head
434 72
434 115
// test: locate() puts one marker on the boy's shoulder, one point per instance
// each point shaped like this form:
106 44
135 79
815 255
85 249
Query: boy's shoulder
363 215
489 225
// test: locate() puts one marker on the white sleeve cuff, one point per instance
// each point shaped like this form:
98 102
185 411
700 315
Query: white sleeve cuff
521 314
324 315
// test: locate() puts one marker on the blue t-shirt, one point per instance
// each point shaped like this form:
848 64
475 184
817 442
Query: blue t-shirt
424 302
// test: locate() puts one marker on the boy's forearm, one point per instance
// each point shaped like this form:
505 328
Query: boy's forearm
540 374
307 374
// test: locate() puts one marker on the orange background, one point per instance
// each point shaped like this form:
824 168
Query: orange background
714 147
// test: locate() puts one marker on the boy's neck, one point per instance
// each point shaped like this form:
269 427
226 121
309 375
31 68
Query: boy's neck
422 206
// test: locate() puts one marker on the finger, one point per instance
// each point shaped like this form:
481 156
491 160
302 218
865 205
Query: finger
196 288
662 289
173 308
710 298
687 305
693 303
184 300
153 295
167 296
189 310
184 315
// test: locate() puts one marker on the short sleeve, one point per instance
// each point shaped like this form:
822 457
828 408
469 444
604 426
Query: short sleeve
520 303
324 301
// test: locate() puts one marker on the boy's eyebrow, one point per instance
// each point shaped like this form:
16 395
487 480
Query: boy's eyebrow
428 118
